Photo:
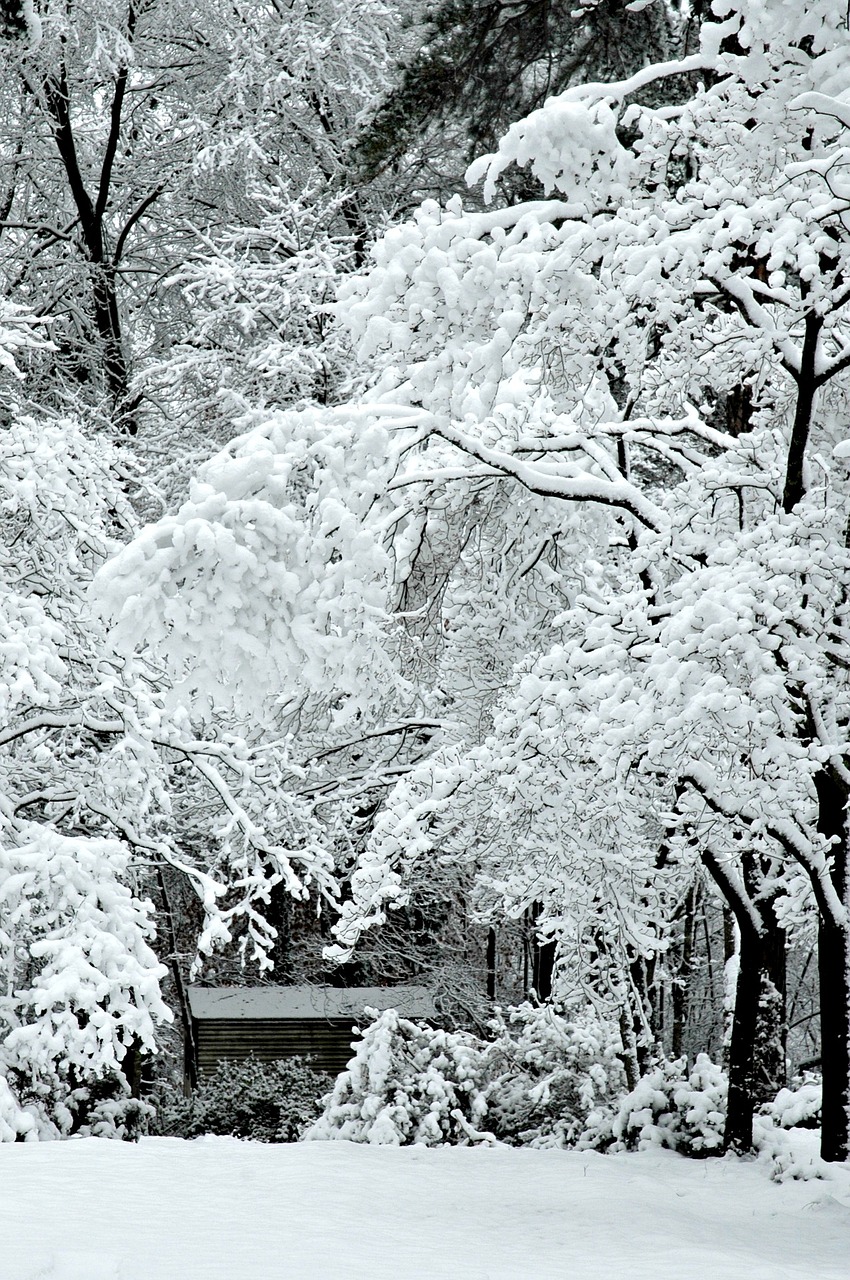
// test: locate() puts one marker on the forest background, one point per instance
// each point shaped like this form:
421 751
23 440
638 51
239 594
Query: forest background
414 571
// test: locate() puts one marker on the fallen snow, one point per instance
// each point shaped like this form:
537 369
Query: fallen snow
219 1209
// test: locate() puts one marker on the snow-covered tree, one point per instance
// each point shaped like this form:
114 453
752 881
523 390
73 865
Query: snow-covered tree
258 330
647 367
664 336
266 598
106 785
473 67
133 133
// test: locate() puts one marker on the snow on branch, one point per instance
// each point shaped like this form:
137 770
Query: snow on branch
787 834
823 104
560 481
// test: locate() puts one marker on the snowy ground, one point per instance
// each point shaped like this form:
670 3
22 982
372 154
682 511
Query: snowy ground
219 1209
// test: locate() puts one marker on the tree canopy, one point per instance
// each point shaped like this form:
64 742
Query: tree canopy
521 589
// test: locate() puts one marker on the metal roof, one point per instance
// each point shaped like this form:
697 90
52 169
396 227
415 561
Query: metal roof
307 1002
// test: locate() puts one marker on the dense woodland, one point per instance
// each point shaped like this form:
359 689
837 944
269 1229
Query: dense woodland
424 478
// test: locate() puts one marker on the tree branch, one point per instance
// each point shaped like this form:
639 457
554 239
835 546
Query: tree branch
549 483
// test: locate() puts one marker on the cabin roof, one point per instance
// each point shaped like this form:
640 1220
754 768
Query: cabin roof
211 1003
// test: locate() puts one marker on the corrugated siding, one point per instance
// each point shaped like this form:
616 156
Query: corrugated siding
328 1043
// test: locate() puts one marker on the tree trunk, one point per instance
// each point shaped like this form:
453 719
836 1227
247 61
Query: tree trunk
190 1056
834 974
102 267
544 966
738 1135
835 1036
491 963
542 959
644 1012
108 322
279 915
682 980
730 954
795 485
756 1061
131 1067
629 1056
769 1049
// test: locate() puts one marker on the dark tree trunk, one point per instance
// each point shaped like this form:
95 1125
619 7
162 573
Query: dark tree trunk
769 1049
91 211
835 1036
629 1056
131 1067
756 1052
739 410
279 915
834 974
806 389
544 967
643 1006
756 1059
738 1135
491 964
542 958
682 980
190 1057
108 323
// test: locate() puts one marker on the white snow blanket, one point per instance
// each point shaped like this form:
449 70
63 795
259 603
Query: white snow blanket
219 1209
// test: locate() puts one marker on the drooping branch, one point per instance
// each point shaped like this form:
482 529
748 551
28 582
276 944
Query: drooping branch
786 834
569 483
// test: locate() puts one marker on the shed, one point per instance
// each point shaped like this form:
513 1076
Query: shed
281 1022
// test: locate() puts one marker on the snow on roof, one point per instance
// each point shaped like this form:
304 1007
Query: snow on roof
308 1001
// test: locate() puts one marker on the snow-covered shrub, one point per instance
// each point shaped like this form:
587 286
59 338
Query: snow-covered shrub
408 1084
42 1105
121 1117
797 1108
780 1152
670 1107
533 1084
84 980
20 1123
548 1072
264 1101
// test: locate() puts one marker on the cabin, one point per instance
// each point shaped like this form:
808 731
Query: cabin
270 1022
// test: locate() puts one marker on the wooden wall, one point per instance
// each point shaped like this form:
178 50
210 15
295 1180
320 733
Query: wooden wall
327 1042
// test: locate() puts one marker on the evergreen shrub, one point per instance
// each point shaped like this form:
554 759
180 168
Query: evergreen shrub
798 1107
671 1106
533 1084
264 1101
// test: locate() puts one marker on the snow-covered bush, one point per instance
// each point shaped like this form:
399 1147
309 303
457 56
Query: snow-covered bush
408 1084
547 1073
38 1106
780 1152
19 1123
84 982
670 1107
121 1117
534 1083
798 1108
264 1101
